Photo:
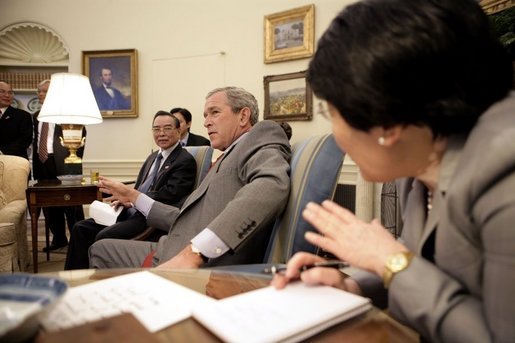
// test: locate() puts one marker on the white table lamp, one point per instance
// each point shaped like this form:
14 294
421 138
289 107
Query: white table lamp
70 102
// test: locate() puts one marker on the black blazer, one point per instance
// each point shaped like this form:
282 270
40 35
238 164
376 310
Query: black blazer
106 103
196 140
60 152
15 132
175 179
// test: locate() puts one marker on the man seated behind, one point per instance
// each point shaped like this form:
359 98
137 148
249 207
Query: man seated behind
229 217
173 182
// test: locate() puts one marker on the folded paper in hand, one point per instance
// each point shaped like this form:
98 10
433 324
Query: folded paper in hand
103 213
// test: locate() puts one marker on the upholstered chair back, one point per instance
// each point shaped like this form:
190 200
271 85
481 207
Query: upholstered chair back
315 169
203 156
14 172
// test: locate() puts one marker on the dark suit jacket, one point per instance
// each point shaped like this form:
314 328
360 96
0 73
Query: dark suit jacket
105 102
60 152
15 132
175 179
467 293
196 140
239 199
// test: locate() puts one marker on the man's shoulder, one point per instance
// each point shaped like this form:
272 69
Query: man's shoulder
197 140
185 155
266 132
19 112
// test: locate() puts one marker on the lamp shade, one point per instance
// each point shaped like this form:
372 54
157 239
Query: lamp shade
70 100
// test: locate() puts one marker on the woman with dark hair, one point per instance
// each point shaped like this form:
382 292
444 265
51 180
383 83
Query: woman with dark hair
419 91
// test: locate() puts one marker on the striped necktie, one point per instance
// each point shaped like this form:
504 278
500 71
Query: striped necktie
43 139
152 175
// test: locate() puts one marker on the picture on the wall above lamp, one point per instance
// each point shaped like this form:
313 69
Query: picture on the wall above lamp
289 35
113 75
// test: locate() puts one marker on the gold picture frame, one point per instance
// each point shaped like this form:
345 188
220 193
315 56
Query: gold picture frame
288 97
117 98
494 6
290 35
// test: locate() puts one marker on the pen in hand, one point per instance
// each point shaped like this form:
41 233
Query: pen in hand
326 264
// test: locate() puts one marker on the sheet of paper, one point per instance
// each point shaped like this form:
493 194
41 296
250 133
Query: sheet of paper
153 300
269 315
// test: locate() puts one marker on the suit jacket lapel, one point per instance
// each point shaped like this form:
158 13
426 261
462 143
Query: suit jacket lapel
204 185
168 162
146 169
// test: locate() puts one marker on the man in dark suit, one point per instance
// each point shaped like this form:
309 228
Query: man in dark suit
171 184
47 163
15 125
188 138
228 219
108 97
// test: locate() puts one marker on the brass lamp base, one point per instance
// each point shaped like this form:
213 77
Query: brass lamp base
72 140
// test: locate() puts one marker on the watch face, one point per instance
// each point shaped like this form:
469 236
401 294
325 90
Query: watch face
398 262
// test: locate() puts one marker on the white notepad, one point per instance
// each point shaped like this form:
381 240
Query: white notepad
268 315
103 213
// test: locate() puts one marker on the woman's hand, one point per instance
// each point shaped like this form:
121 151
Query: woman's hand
363 245
314 276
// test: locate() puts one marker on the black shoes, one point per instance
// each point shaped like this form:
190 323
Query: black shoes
53 247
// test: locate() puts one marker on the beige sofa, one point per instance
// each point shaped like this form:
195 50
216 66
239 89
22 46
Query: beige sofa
14 173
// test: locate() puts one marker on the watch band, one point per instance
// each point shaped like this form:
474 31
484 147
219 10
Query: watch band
197 252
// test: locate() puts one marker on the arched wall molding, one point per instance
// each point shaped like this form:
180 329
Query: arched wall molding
32 43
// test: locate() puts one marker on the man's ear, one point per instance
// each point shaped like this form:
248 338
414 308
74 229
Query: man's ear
244 116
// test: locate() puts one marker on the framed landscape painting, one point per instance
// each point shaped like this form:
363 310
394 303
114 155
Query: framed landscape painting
288 97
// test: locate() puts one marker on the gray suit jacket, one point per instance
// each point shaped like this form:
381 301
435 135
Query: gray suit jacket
238 200
468 293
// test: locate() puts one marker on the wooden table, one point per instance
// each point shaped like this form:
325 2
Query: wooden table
374 326
52 194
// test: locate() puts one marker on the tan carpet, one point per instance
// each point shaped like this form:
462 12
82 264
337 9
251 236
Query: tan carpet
57 257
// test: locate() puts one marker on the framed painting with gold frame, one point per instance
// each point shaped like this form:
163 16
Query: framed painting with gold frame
289 35
114 79
494 6
288 97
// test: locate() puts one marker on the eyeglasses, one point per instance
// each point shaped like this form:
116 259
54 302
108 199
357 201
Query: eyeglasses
165 129
2 92
323 110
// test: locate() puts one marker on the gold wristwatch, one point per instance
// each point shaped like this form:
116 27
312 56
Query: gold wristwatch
197 252
396 263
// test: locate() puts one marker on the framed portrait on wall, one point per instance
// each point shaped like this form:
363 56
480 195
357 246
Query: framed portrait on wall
288 97
114 79
289 35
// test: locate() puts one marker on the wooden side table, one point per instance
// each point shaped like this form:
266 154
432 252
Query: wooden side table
52 194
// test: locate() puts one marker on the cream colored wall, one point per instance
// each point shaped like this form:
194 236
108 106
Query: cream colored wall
174 39
185 48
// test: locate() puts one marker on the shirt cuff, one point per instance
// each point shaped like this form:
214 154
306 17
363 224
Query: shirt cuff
144 204
209 244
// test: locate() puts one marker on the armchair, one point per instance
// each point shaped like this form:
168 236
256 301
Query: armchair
315 163
14 172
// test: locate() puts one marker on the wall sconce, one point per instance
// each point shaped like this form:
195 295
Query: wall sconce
70 102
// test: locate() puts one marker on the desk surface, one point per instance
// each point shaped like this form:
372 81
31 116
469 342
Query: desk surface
374 326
